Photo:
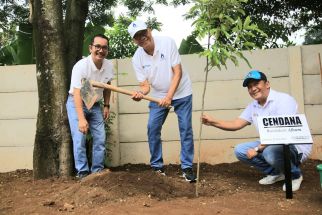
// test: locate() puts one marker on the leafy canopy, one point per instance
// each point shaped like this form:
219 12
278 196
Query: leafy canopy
228 34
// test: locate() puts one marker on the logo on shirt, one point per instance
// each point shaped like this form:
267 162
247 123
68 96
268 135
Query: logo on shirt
162 56
146 66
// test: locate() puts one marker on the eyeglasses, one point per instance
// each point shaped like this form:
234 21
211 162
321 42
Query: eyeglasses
99 47
140 35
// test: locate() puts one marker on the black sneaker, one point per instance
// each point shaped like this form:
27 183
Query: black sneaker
82 175
188 175
159 171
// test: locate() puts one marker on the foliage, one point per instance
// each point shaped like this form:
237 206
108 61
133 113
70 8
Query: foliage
109 133
314 35
121 44
12 14
190 46
100 14
136 7
228 34
279 19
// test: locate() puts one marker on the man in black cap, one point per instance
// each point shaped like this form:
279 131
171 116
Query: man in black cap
269 159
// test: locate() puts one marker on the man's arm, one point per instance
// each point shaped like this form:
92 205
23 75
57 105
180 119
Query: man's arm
106 96
177 74
144 90
82 122
232 125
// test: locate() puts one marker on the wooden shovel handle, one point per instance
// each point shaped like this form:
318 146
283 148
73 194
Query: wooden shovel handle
120 90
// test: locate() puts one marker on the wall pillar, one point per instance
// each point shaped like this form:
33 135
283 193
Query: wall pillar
296 76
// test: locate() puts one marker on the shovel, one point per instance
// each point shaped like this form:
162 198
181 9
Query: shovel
89 95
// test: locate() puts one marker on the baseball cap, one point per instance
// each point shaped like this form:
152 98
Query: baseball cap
136 26
254 75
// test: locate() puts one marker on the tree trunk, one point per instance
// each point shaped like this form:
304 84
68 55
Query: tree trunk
76 14
52 146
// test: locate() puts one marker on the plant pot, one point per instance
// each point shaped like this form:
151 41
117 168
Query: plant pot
319 167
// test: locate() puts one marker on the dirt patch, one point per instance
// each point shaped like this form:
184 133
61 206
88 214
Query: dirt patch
135 189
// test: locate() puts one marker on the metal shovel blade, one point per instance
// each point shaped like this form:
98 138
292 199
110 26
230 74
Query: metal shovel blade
88 93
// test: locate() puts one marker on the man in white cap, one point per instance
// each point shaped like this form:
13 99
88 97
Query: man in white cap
268 159
157 64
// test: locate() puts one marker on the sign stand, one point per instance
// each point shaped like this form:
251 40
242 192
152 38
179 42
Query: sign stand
284 130
287 171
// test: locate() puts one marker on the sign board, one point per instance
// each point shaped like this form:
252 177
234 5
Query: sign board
284 129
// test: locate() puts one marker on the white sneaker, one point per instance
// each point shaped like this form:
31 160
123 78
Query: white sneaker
271 179
296 183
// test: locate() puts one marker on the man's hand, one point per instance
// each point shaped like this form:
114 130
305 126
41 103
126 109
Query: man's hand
165 102
206 119
83 126
137 96
251 153
106 112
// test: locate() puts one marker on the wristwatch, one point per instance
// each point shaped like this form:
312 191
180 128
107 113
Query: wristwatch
257 149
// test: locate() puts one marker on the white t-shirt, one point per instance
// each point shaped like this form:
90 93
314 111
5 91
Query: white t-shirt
85 68
277 104
157 69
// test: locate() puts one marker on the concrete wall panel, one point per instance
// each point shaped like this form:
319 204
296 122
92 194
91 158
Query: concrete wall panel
211 151
126 74
195 65
310 59
20 105
17 132
13 158
18 78
133 127
317 147
313 115
312 90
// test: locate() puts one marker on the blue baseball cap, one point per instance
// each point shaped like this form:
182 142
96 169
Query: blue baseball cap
254 75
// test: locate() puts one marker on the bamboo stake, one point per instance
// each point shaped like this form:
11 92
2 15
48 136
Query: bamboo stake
320 66
200 127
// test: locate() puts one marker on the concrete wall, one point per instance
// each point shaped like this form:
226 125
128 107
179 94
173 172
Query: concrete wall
18 116
294 70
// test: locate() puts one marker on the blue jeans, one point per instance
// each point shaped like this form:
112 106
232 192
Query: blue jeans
95 120
183 109
271 160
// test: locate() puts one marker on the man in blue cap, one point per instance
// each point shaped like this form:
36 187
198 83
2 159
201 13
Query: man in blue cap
269 159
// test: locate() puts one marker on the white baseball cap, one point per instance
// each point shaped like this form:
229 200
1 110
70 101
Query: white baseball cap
136 26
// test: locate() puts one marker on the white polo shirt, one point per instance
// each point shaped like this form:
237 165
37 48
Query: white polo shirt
85 68
277 104
157 69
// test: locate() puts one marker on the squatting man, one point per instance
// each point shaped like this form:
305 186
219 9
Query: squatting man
269 159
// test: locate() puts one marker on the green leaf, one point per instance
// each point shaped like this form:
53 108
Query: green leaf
246 22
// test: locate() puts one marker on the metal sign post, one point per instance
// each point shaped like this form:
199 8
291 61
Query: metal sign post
287 171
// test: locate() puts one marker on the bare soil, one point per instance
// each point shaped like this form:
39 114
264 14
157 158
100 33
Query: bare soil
134 189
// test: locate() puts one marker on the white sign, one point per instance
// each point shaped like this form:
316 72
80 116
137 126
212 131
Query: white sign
284 129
